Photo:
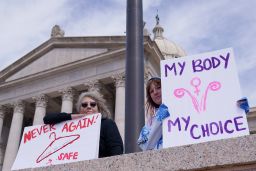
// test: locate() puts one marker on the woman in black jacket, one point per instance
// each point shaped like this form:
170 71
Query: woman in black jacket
89 103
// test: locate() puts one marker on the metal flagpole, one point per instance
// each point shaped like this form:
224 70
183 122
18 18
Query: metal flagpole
134 80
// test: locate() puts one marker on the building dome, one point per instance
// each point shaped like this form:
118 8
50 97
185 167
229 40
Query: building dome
168 48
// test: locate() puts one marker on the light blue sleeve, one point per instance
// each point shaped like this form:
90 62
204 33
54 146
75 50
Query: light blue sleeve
150 135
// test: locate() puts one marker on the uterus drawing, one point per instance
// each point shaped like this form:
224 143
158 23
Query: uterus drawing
199 103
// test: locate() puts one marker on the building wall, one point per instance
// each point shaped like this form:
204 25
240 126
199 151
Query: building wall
78 69
65 71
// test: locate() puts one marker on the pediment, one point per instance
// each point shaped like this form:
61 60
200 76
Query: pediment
64 53
55 58
58 53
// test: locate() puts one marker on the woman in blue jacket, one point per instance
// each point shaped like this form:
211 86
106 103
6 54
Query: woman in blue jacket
151 133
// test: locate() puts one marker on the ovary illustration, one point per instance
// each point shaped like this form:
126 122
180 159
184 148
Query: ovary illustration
199 103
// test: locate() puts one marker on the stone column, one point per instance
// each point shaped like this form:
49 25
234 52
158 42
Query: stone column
41 103
146 78
96 86
120 103
2 114
93 86
67 100
14 136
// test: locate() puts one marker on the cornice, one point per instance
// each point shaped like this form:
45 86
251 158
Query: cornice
116 43
59 69
63 42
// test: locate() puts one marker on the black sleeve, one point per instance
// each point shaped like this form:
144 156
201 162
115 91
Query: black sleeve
114 143
53 118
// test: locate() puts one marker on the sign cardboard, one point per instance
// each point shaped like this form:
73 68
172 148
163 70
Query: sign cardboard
70 141
201 92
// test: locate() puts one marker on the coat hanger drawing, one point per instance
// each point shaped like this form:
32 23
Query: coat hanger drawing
56 145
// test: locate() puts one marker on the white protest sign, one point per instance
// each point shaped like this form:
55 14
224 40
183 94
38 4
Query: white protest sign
201 92
71 141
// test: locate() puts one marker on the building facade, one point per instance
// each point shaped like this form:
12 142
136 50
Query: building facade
50 78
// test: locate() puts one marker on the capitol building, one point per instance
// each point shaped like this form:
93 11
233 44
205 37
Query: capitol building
50 77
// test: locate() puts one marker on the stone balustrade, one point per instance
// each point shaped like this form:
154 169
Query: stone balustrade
237 154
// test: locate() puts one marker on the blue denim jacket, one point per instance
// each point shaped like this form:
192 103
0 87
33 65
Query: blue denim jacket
151 134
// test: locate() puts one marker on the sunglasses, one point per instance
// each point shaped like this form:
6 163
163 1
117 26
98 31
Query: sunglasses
91 104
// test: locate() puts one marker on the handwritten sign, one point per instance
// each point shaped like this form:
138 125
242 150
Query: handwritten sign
201 93
71 141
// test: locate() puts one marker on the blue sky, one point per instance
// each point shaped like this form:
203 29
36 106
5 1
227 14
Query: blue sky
196 25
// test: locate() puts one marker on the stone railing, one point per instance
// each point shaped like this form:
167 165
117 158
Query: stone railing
229 154
238 154
251 118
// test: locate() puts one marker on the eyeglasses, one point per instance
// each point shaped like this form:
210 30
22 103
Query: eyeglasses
91 104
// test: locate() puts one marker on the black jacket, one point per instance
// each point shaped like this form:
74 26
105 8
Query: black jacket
110 140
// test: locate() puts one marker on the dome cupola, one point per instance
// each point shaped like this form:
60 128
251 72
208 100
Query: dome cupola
168 48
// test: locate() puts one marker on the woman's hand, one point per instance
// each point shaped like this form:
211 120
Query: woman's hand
77 116
243 104
162 112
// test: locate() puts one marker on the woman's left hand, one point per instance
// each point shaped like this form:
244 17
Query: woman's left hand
162 112
243 104
76 116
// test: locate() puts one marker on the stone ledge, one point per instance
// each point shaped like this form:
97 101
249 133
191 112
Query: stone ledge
229 154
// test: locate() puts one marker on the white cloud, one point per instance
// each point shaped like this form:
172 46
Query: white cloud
104 21
201 26
151 4
197 25
25 24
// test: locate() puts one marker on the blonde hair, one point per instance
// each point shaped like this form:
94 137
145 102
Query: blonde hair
150 104
98 99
